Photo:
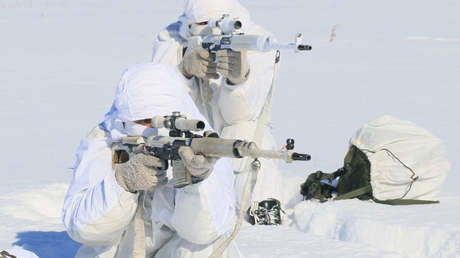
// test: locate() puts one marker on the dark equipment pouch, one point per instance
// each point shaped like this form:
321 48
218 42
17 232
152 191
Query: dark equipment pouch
314 188
354 180
266 212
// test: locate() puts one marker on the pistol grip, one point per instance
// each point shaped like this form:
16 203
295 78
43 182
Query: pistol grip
181 176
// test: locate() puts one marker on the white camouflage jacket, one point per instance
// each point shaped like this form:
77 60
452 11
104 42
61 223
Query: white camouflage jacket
187 222
232 110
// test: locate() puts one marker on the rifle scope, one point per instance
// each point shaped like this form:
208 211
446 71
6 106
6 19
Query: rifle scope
226 24
177 122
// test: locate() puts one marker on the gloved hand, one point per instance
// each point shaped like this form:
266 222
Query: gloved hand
140 172
198 165
233 65
197 62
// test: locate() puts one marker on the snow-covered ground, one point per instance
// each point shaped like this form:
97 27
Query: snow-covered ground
60 61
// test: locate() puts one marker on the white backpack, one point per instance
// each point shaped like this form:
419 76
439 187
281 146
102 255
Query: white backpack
407 162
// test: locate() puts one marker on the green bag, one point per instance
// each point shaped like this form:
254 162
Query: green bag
355 179
354 182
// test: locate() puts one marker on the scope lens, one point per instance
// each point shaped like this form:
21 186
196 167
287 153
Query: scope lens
237 25
200 125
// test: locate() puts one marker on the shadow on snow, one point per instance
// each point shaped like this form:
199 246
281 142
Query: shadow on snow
48 244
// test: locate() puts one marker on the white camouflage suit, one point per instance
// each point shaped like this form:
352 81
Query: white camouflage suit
232 110
187 222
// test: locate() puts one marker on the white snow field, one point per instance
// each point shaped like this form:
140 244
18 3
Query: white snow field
60 61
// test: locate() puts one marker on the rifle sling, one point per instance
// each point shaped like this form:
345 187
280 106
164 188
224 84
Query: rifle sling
405 202
251 177
355 193
367 189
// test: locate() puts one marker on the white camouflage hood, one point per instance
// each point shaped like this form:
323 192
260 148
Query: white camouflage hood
145 91
204 10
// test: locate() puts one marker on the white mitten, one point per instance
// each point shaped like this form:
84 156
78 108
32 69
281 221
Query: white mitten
140 172
233 65
198 62
198 165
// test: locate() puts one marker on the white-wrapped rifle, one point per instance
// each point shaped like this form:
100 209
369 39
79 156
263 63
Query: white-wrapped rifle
230 36
167 147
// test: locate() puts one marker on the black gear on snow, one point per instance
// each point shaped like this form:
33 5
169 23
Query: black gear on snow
266 212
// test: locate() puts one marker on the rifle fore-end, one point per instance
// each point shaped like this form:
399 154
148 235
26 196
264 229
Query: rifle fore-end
214 147
218 147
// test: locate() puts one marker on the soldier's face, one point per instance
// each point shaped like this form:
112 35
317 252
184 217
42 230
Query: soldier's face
145 122
202 29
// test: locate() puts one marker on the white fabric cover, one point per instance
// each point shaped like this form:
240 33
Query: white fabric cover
387 139
184 222
232 110
145 86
